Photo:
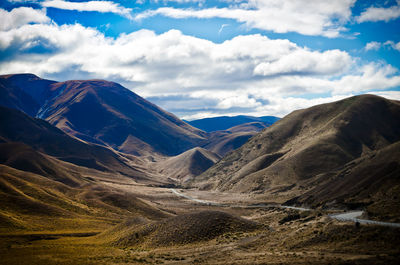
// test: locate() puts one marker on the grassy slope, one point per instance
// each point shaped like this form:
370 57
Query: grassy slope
293 155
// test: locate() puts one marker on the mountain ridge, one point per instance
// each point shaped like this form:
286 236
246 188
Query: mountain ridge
297 152
221 123
103 112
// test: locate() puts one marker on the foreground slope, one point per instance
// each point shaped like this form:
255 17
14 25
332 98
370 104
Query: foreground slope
101 112
180 229
297 152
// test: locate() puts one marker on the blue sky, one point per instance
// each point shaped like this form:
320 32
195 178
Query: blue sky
200 58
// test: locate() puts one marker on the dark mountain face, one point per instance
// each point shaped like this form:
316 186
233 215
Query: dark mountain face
225 122
299 151
43 137
13 97
101 112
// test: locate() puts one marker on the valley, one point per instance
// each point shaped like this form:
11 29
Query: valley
280 236
91 173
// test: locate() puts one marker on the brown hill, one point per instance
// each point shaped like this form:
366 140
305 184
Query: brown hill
181 229
104 112
292 155
188 164
371 181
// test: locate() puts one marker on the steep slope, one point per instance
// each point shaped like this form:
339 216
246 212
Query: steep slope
32 85
13 97
188 164
43 137
289 157
104 112
226 122
222 142
372 181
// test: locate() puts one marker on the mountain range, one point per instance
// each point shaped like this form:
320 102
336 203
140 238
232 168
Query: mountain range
225 122
343 153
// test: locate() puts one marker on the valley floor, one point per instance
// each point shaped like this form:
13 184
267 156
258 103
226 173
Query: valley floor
286 236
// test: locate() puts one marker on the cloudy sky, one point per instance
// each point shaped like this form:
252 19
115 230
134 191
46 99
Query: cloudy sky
199 58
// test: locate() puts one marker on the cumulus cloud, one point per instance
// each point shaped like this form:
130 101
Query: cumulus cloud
98 6
374 14
21 16
374 45
304 62
317 17
190 76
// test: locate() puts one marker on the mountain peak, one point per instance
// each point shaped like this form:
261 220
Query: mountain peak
101 111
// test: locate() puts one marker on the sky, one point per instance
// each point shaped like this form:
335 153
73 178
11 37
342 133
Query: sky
198 58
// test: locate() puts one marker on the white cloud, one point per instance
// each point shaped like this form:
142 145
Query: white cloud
373 45
370 77
304 62
393 45
380 14
21 16
191 76
317 17
98 6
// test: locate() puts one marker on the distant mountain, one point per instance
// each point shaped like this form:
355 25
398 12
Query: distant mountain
101 112
307 147
222 142
188 164
225 122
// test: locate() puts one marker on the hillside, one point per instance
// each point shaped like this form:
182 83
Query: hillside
304 148
371 181
101 112
43 137
181 229
50 181
225 122
188 164
41 193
